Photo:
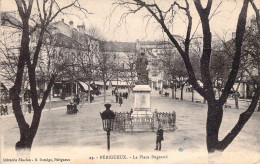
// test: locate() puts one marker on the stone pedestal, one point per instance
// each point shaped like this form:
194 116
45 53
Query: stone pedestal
142 103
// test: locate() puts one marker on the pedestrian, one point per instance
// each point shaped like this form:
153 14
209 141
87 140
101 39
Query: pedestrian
126 95
159 138
91 97
75 109
2 109
131 111
29 106
116 97
78 100
82 98
120 100
6 109
75 99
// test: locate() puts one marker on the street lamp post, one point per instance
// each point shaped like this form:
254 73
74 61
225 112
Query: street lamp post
108 117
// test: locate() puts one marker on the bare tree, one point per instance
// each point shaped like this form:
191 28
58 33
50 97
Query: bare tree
172 65
255 56
105 68
86 62
215 106
95 32
252 48
54 60
46 12
129 73
9 57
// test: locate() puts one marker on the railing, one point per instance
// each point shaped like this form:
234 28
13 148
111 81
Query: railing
167 120
125 122
121 120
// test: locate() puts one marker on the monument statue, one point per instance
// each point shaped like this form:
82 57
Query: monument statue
141 69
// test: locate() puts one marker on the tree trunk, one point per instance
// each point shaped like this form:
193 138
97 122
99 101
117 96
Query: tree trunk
258 106
23 126
173 92
16 89
214 119
104 92
89 97
129 89
71 91
243 118
192 95
175 89
28 133
162 89
23 91
23 106
50 101
236 100
182 86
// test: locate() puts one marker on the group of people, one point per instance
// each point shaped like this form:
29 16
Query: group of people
119 96
124 94
4 110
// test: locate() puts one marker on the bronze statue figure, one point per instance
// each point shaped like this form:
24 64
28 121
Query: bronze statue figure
141 69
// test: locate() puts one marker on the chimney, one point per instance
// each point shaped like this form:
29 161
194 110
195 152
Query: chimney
81 28
62 20
71 24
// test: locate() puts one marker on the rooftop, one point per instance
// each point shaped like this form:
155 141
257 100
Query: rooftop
118 47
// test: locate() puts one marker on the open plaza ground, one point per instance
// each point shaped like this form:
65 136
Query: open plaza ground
81 138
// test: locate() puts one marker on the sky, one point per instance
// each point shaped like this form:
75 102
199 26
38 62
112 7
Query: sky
222 24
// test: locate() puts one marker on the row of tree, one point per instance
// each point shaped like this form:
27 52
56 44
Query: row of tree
65 57
220 66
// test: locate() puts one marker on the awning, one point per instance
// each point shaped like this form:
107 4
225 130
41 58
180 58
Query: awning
7 84
123 83
100 83
120 83
115 82
85 86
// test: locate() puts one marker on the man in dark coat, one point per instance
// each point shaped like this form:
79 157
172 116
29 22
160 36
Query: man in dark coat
2 109
6 109
116 97
120 100
159 138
